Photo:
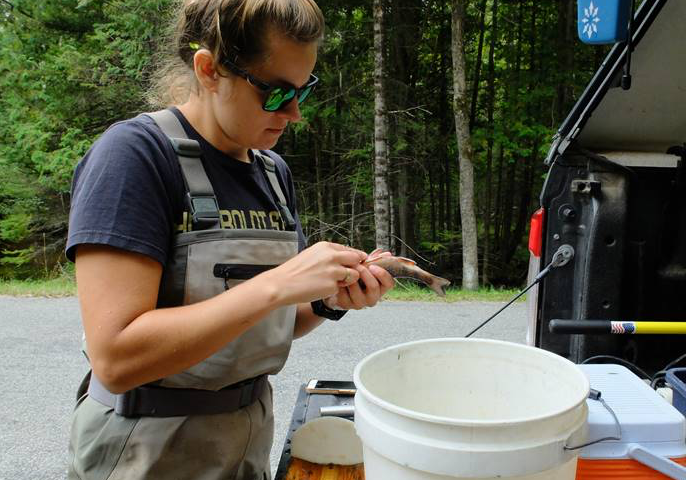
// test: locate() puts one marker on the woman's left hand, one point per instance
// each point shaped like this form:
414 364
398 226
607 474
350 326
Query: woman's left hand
377 282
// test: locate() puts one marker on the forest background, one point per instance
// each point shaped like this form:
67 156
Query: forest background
70 68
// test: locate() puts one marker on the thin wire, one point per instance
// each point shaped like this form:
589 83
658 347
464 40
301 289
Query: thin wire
674 362
657 378
625 363
661 374
619 428
413 251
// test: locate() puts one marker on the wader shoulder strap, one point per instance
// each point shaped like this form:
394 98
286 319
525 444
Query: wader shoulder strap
201 198
270 169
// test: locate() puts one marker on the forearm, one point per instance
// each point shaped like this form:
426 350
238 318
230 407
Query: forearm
305 320
162 342
131 342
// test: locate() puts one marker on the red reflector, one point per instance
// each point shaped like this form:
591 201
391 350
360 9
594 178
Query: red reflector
536 233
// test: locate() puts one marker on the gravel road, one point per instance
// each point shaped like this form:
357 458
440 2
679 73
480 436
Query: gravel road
42 366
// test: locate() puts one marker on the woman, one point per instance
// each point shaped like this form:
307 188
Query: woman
185 237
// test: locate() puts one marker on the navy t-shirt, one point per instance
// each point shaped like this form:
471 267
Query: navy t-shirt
128 191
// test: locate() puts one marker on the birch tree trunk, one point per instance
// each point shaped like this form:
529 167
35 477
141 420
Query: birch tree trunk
381 197
470 272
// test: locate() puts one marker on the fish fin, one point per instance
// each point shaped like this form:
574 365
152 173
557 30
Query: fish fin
375 254
439 285
378 253
406 261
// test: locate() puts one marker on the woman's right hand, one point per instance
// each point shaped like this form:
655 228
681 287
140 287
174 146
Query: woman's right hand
315 273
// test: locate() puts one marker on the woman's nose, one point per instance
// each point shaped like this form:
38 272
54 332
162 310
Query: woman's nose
291 112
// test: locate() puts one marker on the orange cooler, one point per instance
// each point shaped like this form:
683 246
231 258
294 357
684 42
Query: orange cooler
653 432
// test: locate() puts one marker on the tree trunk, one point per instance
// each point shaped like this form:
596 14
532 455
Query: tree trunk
337 212
392 203
444 217
470 273
477 64
318 175
403 217
381 197
513 163
565 49
524 202
498 227
489 153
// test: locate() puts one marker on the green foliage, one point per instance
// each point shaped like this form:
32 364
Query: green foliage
62 286
408 291
15 227
15 258
70 68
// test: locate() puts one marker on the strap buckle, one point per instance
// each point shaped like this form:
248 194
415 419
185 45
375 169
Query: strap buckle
204 211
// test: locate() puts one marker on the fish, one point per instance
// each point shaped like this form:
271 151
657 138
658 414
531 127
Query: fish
401 267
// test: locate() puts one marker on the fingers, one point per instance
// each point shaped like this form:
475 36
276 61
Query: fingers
371 293
350 257
350 277
357 297
345 255
379 253
328 266
384 278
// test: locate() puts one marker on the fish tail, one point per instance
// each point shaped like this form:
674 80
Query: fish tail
439 285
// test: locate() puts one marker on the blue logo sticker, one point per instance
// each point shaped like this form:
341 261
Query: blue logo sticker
590 21
603 21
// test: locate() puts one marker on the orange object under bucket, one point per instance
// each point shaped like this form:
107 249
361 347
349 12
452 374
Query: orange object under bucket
624 469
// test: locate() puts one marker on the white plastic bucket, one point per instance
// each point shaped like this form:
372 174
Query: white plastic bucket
469 408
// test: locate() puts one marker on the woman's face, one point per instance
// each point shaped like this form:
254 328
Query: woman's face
238 104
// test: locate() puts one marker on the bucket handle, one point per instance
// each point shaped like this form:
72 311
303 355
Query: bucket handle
661 464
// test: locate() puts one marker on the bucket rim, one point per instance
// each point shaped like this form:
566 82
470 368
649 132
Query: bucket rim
405 412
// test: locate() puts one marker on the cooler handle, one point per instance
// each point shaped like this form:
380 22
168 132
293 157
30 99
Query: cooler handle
656 462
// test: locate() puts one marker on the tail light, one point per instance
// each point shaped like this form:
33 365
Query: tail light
536 248
536 233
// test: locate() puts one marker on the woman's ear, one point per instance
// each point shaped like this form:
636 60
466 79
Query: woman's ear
205 71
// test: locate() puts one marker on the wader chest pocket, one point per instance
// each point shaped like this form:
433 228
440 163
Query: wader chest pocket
229 271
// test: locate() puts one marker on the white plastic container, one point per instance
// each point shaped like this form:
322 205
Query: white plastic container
469 408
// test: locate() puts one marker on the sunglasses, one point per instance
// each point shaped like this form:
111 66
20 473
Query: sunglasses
277 98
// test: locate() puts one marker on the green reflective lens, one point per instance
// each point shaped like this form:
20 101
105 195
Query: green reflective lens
277 98
303 94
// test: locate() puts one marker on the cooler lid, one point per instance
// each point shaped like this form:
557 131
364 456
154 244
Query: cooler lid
645 417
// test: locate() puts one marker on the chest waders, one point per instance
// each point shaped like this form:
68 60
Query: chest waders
213 420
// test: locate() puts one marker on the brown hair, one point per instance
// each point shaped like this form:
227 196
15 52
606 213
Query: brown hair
231 29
